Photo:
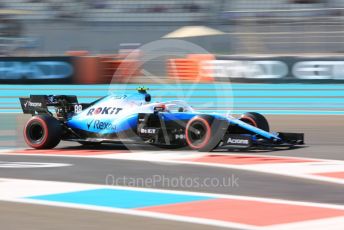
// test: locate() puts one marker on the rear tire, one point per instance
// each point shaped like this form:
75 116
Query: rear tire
42 132
257 120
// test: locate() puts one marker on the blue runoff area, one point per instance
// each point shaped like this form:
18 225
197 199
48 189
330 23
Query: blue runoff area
307 99
119 198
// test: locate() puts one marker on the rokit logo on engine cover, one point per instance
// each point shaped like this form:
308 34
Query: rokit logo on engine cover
103 110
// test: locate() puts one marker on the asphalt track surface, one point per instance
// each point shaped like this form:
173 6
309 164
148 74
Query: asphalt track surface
324 137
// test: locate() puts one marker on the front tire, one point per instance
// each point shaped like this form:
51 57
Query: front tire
42 132
257 120
204 132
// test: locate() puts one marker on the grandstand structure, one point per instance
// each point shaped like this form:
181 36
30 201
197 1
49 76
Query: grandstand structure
286 26
174 10
250 26
115 11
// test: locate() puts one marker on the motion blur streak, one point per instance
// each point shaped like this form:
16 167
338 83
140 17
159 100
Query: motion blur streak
322 99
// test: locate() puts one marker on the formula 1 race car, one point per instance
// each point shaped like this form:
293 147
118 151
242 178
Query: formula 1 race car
135 119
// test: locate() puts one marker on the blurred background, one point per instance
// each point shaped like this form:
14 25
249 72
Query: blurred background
248 26
83 41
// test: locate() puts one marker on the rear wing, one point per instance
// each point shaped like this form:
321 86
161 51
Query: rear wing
38 104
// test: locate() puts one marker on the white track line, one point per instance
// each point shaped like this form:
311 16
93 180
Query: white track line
304 170
49 186
14 190
336 223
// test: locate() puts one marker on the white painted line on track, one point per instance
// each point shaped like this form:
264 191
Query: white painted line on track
40 187
140 213
303 170
9 150
17 164
336 223
14 190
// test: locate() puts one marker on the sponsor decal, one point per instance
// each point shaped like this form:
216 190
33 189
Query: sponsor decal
276 69
35 70
148 131
103 111
101 125
89 124
77 108
32 104
319 70
247 69
180 136
237 141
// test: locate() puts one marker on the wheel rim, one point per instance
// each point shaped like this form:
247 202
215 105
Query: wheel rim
36 133
197 133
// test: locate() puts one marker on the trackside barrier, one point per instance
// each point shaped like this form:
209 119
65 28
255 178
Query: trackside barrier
103 69
322 68
206 74
77 53
119 70
182 69
190 68
87 70
37 69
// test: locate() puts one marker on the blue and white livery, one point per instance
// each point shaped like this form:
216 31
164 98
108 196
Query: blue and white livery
136 119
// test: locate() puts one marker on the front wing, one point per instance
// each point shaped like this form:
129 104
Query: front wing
254 141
